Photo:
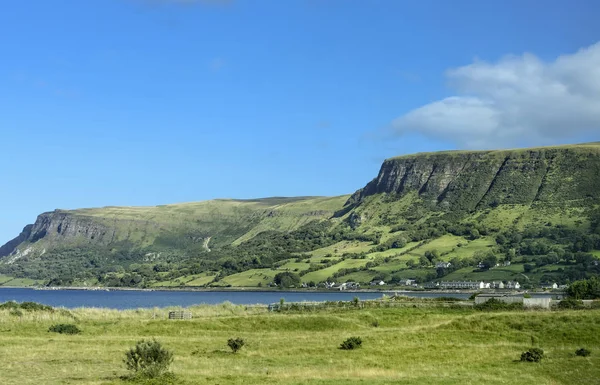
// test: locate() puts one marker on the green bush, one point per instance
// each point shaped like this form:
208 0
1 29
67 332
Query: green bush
495 304
570 303
235 344
583 352
472 296
64 329
148 359
351 343
33 306
532 355
447 299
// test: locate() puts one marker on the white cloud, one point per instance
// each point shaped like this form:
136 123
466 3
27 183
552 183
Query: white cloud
518 100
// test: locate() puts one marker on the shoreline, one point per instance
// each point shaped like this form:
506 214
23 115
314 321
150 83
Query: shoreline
263 290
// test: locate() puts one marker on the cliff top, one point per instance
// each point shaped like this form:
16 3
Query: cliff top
594 146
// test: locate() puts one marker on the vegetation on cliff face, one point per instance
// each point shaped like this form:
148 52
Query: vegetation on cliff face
537 209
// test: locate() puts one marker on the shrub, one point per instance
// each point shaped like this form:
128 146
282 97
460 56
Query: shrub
495 304
375 323
570 303
35 306
447 299
532 355
472 297
148 359
235 344
583 352
26 306
64 329
351 343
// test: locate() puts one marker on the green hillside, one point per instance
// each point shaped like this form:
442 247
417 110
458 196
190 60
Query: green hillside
534 212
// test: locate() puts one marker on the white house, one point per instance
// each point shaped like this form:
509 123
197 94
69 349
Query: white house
554 286
513 285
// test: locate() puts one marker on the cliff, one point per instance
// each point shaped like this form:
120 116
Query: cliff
220 222
470 180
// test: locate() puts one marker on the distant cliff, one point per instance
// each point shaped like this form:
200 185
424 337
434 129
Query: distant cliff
464 180
170 226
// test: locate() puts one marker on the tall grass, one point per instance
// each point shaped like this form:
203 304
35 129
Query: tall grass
411 345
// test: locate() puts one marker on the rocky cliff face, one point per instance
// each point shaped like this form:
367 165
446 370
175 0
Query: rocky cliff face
57 226
470 180
11 245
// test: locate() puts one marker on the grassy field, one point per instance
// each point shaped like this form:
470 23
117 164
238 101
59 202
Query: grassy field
411 345
18 282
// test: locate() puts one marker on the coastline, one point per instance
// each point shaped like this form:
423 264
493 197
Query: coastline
388 291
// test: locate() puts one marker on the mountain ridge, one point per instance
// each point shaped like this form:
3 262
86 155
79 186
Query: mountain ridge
468 197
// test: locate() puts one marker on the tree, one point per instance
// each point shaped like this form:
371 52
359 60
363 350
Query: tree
585 289
490 260
432 255
287 279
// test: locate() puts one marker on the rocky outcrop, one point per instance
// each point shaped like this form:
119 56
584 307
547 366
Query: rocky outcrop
11 245
62 225
470 180
58 226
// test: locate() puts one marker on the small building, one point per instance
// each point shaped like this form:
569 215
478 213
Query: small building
349 286
497 285
442 265
552 286
512 285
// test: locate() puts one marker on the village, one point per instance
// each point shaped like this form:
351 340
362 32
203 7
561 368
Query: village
441 285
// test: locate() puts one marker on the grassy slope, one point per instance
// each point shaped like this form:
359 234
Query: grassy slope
410 346
225 220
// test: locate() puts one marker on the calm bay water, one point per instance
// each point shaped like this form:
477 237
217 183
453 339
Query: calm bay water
132 299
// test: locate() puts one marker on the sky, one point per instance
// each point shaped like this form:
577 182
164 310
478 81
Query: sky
147 102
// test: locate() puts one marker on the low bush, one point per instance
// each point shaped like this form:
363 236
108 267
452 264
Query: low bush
447 299
148 359
532 355
570 303
583 352
32 306
64 329
495 304
235 344
351 343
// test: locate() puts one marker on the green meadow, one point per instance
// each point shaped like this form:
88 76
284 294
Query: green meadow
420 342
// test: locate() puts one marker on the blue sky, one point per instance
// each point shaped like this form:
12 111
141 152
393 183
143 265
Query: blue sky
144 102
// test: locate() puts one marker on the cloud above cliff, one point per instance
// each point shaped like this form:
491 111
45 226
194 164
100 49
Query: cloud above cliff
517 100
